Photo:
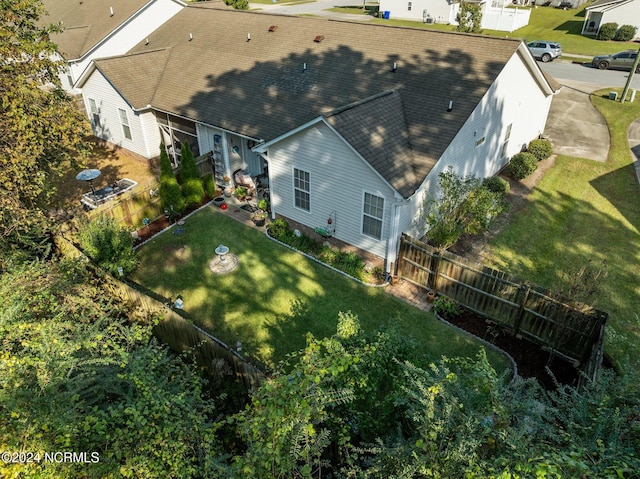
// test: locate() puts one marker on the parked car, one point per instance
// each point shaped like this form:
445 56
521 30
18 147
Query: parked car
618 61
544 50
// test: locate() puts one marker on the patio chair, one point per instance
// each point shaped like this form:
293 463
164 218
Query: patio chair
244 180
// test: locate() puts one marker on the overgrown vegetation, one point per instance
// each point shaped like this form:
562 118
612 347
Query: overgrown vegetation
463 205
469 17
109 245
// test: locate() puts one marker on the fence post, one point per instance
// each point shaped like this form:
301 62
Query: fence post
437 260
523 300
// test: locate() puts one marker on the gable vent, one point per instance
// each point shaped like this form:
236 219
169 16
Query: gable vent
319 38
273 28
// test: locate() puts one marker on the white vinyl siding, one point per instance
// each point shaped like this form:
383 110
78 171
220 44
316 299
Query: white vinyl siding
372 215
337 179
302 189
124 121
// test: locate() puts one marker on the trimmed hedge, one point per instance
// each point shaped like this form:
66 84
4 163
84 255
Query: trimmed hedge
191 183
209 185
608 31
522 165
540 148
625 33
170 193
495 184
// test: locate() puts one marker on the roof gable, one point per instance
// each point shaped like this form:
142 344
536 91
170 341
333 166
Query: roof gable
607 4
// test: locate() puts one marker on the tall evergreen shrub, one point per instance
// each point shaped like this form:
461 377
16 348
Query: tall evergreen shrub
192 189
170 194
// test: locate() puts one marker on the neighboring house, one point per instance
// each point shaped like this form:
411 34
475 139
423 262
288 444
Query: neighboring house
622 12
343 128
494 14
102 28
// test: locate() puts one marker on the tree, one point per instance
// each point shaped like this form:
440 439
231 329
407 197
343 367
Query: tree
78 376
170 194
463 205
109 245
41 132
192 189
469 17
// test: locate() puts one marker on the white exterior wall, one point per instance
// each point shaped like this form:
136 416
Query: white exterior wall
133 31
441 11
143 140
338 180
515 98
627 14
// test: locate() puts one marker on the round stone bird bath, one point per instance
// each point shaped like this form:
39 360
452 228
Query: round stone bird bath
224 262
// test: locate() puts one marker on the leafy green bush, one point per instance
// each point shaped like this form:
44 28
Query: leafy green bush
625 33
209 185
495 184
522 165
608 31
109 245
446 308
170 193
191 183
279 229
350 263
540 148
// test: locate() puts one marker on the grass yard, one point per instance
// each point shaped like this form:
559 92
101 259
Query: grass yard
545 23
585 211
276 295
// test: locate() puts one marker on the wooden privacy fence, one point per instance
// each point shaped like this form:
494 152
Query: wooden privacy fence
529 310
131 209
172 329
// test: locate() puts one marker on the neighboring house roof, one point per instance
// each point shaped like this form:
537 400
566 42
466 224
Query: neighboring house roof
87 22
202 65
602 5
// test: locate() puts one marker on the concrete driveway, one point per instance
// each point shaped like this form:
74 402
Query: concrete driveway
574 126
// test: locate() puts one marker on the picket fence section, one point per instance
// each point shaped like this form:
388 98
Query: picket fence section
571 331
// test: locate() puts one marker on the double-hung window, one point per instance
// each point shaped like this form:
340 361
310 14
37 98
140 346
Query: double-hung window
94 112
372 215
124 121
301 189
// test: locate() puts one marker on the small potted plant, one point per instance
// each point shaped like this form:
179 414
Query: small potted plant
241 193
260 218
228 188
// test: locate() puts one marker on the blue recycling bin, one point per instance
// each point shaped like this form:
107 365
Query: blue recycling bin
386 14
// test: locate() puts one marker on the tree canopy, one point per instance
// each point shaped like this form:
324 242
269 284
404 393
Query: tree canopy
41 132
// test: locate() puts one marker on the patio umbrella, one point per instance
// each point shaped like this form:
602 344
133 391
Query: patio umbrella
88 175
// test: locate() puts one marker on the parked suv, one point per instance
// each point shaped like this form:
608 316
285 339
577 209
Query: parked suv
545 51
618 61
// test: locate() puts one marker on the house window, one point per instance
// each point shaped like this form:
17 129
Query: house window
505 143
95 117
372 215
409 6
301 189
480 141
125 123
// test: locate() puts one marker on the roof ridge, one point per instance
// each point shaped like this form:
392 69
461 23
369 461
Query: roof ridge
357 103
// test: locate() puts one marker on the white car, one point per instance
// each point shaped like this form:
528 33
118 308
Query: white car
545 51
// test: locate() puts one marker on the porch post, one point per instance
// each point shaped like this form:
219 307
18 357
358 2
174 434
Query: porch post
225 155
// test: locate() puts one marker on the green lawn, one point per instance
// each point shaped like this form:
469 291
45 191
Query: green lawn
584 211
545 23
277 295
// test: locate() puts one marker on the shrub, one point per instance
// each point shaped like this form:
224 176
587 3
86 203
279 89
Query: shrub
608 31
495 184
209 185
522 165
446 308
279 229
109 245
625 33
170 194
350 263
191 183
540 148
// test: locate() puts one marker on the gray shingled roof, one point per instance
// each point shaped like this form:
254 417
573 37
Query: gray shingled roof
259 88
86 22
600 3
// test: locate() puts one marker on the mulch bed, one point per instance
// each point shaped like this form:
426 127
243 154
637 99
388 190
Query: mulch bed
531 359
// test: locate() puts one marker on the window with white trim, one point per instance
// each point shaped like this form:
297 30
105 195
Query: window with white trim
301 189
505 143
95 116
409 6
124 121
372 214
